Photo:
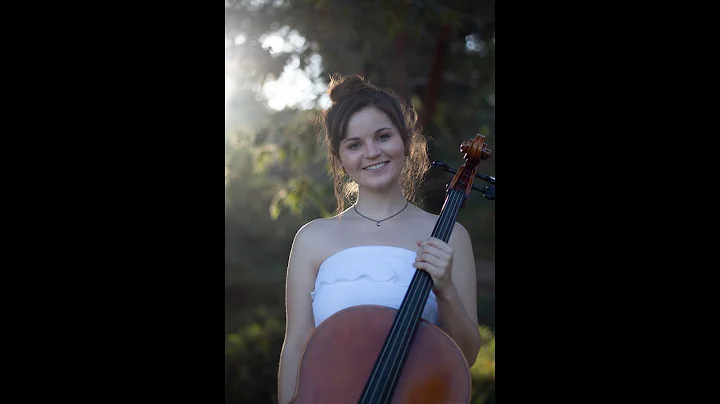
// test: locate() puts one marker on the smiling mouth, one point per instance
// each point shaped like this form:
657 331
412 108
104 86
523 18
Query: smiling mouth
376 167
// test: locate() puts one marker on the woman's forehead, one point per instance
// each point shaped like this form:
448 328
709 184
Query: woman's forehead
367 121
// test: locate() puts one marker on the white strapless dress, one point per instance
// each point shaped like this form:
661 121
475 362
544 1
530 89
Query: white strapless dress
375 275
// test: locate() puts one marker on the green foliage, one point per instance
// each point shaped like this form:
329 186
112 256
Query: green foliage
483 371
251 358
484 366
287 167
296 194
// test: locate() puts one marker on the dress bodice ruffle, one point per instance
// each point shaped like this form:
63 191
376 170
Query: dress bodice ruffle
376 275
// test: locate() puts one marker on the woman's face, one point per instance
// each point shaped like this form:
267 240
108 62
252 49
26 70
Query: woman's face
372 153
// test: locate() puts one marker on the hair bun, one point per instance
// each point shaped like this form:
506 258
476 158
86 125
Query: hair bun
343 86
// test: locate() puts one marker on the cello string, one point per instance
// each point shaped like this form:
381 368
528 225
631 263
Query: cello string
387 348
426 283
442 233
408 322
405 322
391 346
378 381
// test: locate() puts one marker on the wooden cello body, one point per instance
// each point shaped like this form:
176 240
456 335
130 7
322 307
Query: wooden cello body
372 354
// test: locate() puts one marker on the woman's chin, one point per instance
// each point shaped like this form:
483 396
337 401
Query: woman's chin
379 183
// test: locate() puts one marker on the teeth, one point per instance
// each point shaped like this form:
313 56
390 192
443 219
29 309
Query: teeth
376 166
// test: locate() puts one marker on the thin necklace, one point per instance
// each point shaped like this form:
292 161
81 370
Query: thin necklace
378 221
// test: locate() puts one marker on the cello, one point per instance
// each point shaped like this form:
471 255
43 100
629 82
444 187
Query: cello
392 355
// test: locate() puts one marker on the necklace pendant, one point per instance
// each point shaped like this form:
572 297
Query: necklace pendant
378 223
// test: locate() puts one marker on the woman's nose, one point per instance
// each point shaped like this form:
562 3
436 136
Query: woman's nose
372 151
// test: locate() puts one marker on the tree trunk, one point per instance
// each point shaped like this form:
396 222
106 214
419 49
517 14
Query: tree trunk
435 77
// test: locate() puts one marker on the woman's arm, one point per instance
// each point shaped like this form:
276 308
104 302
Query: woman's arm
452 267
300 282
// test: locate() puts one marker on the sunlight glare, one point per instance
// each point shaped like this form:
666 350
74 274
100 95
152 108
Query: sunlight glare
274 43
229 87
295 88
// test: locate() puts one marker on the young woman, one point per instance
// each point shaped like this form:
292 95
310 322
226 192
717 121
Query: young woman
368 253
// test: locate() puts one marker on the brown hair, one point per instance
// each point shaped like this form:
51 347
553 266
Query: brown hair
350 94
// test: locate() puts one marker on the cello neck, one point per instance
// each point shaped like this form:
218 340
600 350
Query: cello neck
446 222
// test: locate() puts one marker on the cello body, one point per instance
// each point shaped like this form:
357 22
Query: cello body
341 352
379 355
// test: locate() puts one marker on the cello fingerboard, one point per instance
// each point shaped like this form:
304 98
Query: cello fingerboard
387 368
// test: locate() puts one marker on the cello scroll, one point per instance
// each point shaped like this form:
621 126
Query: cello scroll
475 151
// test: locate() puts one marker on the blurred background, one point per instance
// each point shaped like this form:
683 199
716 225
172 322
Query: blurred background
438 55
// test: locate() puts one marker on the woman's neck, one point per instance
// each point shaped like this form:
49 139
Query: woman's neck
380 205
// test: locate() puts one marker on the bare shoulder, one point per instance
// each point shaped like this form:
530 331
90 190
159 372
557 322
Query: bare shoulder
313 239
305 256
307 241
310 231
460 238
